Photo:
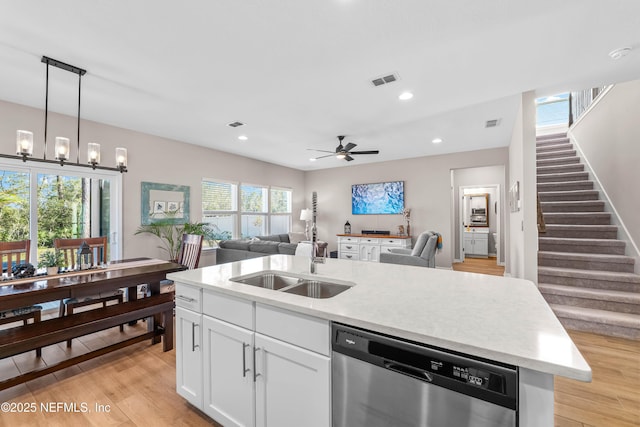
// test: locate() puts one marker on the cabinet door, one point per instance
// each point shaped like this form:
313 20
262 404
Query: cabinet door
364 252
481 245
228 373
293 385
374 253
468 245
189 356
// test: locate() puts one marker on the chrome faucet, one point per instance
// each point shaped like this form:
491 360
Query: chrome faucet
314 238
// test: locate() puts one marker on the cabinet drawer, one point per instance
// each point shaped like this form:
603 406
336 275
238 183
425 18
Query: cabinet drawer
295 328
353 256
230 309
349 240
189 297
393 242
349 247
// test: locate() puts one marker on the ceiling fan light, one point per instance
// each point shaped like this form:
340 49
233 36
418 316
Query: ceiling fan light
341 155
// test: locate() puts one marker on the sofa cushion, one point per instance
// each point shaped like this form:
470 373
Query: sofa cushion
297 237
265 247
271 238
287 248
235 244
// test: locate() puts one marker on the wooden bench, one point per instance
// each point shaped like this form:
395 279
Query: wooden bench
25 338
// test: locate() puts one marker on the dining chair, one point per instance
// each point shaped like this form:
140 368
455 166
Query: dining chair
14 253
98 256
189 256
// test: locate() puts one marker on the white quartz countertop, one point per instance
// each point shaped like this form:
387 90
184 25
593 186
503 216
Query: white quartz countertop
498 318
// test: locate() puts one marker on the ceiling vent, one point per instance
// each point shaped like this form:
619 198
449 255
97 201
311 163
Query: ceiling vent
492 123
379 81
235 124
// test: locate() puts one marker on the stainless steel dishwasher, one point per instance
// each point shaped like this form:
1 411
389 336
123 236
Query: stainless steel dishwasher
384 381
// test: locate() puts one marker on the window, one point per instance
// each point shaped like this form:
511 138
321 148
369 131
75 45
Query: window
40 204
245 210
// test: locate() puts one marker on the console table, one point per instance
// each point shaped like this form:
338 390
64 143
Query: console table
368 247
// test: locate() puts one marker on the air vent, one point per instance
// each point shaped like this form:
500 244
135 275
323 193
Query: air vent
235 124
492 123
379 81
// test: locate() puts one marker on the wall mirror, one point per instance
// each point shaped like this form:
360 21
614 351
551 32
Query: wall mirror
476 210
164 202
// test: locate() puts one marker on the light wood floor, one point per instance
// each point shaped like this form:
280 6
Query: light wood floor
479 265
138 384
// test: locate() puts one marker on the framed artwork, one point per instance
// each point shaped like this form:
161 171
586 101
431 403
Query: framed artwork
164 202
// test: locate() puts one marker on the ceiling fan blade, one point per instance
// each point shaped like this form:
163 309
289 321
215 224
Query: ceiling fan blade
365 152
322 151
322 157
350 146
348 158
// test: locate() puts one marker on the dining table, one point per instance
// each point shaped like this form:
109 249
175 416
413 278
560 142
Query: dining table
127 274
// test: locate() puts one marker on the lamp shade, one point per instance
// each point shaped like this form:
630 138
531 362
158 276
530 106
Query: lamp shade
306 215
93 154
121 157
24 143
62 148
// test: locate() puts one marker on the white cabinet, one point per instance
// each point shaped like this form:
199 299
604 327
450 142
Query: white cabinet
228 373
476 244
189 356
367 248
276 373
293 385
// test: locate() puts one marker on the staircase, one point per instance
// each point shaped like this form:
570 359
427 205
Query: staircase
582 270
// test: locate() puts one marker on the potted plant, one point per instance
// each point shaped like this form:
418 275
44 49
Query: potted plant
53 260
171 234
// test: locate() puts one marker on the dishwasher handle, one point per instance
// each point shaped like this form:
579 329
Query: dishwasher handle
418 373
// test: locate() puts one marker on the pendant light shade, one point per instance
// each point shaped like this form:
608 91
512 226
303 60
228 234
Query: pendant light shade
62 149
93 155
24 144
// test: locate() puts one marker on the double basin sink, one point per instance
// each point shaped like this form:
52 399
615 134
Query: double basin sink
294 284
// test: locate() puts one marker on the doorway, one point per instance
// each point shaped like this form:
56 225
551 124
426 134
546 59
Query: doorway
484 184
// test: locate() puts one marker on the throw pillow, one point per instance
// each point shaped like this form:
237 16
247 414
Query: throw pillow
297 237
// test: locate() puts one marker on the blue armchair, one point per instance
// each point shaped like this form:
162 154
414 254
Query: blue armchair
423 253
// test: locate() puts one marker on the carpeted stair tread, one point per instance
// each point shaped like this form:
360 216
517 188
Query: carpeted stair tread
600 231
590 293
562 146
564 186
573 167
608 276
555 154
582 245
572 206
559 196
563 177
586 261
578 218
552 140
557 161
597 316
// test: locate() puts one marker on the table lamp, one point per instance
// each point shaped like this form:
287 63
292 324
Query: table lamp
306 215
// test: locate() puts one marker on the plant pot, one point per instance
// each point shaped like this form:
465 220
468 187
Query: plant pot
52 270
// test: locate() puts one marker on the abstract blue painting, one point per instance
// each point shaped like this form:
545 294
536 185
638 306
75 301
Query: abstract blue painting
378 198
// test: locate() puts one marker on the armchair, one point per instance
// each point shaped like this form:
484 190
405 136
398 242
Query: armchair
423 253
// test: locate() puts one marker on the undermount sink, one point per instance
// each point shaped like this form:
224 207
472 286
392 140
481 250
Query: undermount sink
294 284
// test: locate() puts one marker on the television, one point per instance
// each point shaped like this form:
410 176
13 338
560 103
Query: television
378 198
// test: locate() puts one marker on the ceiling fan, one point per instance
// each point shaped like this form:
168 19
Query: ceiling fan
343 152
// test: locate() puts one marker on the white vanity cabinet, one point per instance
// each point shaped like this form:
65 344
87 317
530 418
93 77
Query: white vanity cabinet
368 247
476 243
188 331
260 365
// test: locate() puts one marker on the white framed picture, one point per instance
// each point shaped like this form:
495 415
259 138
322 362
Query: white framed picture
159 207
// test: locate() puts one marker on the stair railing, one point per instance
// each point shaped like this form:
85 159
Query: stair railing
580 101
542 228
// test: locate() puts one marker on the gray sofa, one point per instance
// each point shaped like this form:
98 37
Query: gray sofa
239 249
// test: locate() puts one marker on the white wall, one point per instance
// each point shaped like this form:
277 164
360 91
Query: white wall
608 136
151 159
522 259
427 194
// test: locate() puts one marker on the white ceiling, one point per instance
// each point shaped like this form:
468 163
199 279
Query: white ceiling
298 72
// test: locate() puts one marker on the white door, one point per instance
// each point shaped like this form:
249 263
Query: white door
293 385
228 373
189 356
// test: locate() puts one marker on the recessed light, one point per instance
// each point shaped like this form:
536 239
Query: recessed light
405 96
436 140
619 53
312 159
243 138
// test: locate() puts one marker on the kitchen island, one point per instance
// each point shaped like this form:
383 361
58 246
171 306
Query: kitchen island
499 319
